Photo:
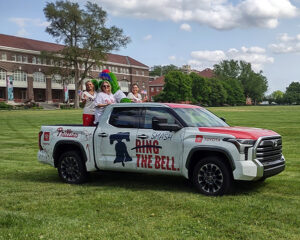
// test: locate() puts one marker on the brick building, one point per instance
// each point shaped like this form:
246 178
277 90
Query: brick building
21 64
156 86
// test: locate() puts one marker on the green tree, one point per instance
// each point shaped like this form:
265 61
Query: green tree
177 88
235 94
159 70
201 90
227 69
218 93
292 94
276 96
85 35
253 84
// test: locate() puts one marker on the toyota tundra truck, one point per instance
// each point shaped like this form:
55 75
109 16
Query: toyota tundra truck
177 139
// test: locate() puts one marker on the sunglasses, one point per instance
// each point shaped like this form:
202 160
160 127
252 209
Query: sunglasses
106 86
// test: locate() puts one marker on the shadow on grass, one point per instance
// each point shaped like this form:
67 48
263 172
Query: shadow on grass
248 187
134 181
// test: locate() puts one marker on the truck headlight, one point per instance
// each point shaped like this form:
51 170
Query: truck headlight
242 145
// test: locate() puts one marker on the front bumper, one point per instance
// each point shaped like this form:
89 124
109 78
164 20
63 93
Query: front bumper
254 170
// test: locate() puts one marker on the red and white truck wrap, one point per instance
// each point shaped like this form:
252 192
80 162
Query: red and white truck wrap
176 139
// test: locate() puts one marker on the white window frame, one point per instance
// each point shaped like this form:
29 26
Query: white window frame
3 56
2 74
56 78
39 77
20 76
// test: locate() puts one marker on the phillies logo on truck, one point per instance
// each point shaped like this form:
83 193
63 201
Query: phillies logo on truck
66 133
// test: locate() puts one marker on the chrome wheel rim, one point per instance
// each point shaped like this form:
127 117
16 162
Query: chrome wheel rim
70 169
210 178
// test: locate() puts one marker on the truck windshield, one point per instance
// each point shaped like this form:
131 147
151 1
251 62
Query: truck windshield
199 117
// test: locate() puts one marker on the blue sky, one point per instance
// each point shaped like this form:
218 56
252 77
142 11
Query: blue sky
200 33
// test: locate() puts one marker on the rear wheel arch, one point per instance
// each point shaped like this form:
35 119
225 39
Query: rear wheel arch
65 146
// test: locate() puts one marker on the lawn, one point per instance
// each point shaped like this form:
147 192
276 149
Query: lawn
35 204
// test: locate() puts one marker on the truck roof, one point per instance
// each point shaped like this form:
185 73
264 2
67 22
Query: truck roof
153 104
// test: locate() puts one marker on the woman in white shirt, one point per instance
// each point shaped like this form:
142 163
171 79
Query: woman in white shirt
134 95
103 99
88 98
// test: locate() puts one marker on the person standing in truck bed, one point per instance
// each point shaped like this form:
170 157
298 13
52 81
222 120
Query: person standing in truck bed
103 99
88 98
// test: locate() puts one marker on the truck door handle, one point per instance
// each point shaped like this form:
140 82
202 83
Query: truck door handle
103 134
142 136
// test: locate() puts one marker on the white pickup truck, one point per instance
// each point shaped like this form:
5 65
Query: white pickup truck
176 139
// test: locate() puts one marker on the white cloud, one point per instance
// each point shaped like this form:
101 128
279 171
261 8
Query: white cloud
172 58
286 44
218 14
255 55
148 37
22 33
22 23
185 27
209 56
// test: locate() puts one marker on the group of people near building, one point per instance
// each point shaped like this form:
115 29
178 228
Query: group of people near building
95 101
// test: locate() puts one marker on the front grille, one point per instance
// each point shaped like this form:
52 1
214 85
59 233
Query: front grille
269 154
269 150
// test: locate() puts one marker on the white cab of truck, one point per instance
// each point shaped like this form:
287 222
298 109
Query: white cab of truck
177 139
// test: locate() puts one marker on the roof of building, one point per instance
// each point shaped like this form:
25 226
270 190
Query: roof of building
36 45
208 73
160 81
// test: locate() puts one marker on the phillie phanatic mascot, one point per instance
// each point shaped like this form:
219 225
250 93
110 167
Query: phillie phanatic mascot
115 89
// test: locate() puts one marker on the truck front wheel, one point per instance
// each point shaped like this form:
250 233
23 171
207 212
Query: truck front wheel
71 169
211 177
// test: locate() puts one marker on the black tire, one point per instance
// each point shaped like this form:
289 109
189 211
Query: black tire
71 169
211 177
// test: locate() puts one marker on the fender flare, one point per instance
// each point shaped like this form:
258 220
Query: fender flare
70 143
211 149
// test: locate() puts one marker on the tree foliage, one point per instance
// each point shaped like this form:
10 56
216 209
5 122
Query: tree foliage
177 88
159 70
253 84
85 35
292 94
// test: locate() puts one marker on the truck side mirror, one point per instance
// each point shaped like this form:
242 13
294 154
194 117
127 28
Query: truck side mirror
223 119
163 125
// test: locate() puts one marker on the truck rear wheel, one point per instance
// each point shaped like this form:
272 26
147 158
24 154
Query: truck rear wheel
212 177
71 169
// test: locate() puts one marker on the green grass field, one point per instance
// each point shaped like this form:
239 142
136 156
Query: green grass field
35 204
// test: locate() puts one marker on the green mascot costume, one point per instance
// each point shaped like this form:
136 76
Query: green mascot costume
115 89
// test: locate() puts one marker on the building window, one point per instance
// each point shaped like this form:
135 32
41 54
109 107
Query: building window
19 75
143 73
3 56
39 61
2 74
124 85
19 58
56 79
51 62
152 89
25 59
71 80
34 60
14 58
127 70
39 77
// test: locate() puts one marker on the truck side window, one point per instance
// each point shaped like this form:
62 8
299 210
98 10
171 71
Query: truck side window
125 117
158 113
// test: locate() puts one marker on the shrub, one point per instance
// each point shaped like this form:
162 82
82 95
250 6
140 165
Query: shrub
6 106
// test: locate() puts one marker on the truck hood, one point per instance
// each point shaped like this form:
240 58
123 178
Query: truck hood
240 132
